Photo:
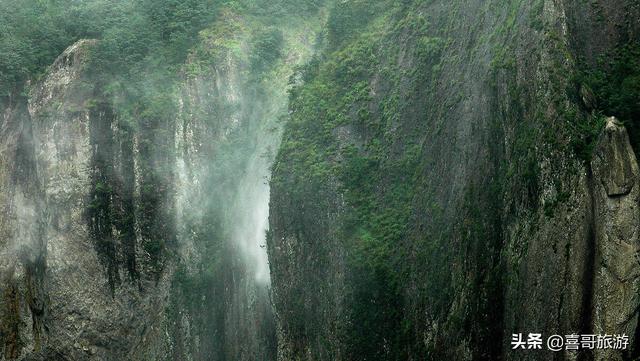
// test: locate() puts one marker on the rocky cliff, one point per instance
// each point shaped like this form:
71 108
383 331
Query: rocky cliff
140 238
349 180
69 257
449 177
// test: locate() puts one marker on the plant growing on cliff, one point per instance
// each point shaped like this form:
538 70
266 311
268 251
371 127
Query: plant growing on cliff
615 83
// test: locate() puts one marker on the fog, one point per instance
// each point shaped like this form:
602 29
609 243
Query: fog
252 218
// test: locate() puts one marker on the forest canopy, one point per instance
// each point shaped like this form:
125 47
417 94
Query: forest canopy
136 37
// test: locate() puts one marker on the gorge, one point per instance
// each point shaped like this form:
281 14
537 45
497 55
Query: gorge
311 180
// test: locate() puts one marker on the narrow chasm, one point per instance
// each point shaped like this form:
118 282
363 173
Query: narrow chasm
319 180
589 268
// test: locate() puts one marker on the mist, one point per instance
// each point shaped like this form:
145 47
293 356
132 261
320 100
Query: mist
252 215
311 180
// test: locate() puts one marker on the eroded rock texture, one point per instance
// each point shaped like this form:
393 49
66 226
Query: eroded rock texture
617 267
69 300
446 177
137 235
435 192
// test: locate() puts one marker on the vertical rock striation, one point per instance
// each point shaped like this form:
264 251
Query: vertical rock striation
138 234
445 179
441 185
616 293
24 300
91 308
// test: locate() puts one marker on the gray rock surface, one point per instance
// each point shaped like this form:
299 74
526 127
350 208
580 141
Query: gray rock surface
510 230
616 294
507 230
77 278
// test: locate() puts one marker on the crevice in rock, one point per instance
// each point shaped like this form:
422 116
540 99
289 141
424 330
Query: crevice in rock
100 215
124 200
111 209
156 204
36 298
10 325
586 326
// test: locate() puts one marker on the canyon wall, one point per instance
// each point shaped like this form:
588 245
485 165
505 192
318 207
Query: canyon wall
142 237
449 177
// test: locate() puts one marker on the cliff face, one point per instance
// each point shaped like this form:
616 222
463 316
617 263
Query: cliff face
23 243
143 239
227 134
448 177
444 174
615 282
66 299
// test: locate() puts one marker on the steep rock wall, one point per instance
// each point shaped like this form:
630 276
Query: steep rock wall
90 308
227 135
615 294
137 232
438 211
142 239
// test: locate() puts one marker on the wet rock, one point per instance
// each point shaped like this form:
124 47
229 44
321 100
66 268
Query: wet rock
617 223
615 159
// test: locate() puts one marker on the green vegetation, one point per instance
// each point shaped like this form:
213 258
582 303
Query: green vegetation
135 70
266 50
138 39
614 82
344 126
412 139
32 35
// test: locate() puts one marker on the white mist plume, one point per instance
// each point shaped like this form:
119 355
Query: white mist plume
252 214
